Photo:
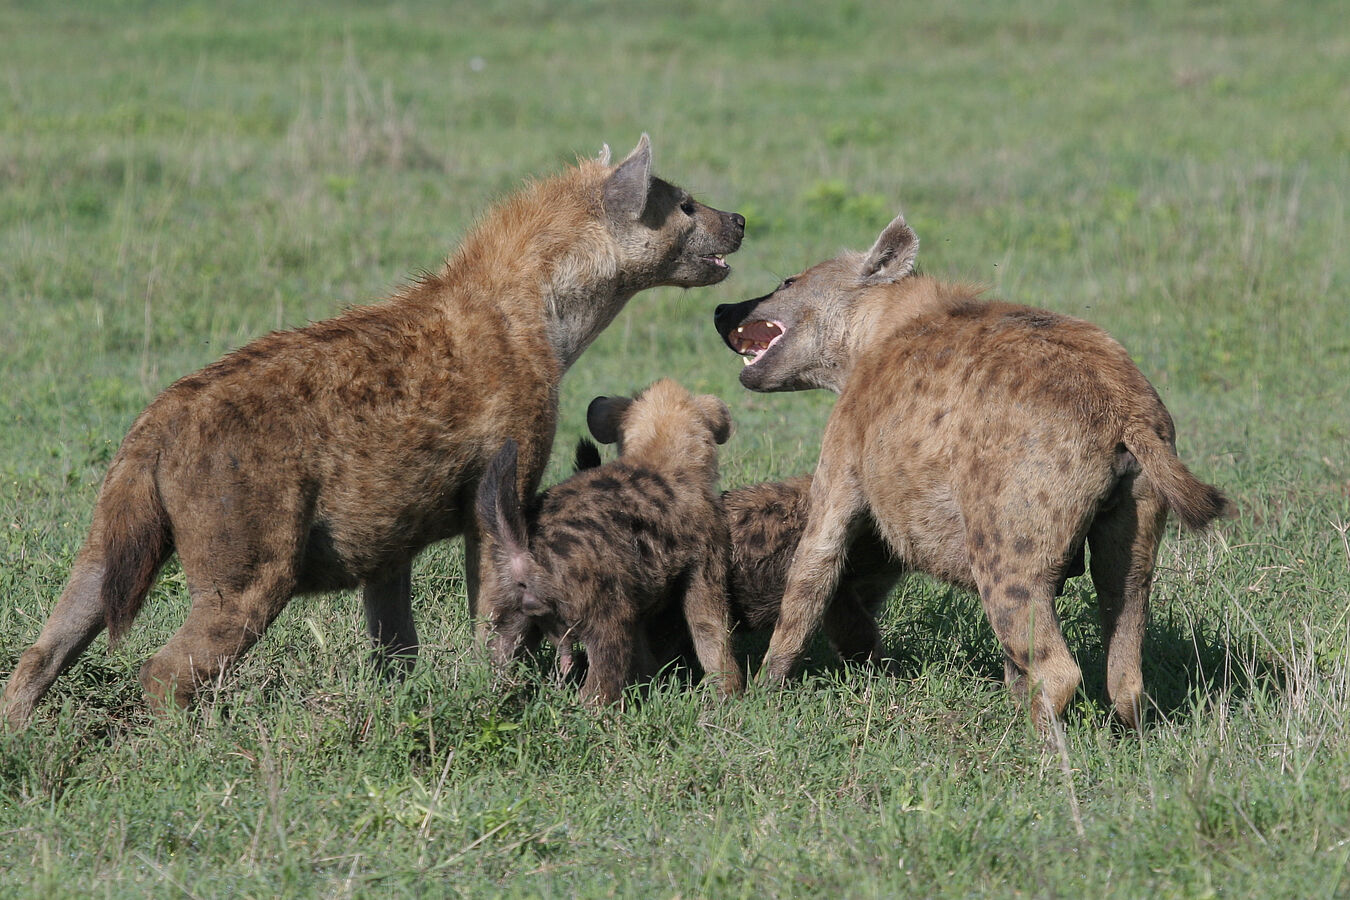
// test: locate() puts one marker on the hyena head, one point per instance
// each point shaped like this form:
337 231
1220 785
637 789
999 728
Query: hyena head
802 334
664 420
662 234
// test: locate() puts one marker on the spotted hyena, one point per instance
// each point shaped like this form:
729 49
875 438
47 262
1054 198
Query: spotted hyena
987 441
328 456
594 558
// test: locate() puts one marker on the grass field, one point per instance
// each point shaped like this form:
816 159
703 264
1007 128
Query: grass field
176 178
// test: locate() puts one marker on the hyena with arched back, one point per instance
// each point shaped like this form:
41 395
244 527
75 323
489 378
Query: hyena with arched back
328 456
986 441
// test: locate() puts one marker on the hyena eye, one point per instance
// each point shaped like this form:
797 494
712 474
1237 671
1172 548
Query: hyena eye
688 207
787 282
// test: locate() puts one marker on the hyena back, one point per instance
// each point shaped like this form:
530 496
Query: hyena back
329 456
987 441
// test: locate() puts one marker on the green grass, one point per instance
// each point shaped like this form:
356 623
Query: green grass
178 178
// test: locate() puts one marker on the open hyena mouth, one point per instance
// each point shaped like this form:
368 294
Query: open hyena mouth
716 259
753 339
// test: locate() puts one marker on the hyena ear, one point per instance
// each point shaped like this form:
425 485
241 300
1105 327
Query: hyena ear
603 417
626 187
717 416
892 256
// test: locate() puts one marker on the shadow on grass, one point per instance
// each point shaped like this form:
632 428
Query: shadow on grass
1187 663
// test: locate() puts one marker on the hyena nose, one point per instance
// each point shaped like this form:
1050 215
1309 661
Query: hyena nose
720 317
739 220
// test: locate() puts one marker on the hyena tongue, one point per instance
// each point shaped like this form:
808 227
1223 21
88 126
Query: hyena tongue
753 338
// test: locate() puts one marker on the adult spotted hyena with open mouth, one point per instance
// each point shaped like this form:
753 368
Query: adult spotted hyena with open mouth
986 441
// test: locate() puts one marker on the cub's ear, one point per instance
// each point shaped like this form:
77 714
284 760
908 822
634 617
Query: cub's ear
604 416
716 415
892 256
626 187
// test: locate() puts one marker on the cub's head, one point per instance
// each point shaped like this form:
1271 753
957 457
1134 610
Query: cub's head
802 334
663 421
664 236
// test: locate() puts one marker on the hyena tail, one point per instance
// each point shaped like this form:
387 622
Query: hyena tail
500 516
587 456
136 539
1196 503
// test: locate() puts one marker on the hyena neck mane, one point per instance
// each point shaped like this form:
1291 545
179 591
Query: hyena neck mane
544 258
879 312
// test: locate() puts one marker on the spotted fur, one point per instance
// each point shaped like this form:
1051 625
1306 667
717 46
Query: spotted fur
328 456
599 555
987 442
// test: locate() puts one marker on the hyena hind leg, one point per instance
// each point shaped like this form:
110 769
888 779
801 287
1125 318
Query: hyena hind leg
1038 667
1124 544
218 630
75 621
708 616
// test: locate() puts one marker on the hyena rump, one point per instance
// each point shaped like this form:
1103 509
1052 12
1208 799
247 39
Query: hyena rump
328 456
595 557
987 441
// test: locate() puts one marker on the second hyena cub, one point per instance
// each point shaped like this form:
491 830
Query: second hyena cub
594 557
765 521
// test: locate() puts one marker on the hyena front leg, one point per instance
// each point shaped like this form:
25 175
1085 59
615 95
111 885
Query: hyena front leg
389 621
611 643
708 615
814 576
74 623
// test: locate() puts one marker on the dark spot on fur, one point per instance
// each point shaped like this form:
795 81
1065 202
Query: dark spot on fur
655 479
606 483
327 332
561 544
1018 593
937 418
977 540
1032 318
574 524
1022 545
1003 619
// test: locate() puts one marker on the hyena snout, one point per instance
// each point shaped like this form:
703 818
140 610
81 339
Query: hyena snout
728 316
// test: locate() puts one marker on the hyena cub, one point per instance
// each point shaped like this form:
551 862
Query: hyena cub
765 522
328 456
987 442
593 558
